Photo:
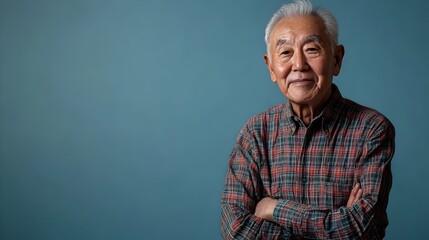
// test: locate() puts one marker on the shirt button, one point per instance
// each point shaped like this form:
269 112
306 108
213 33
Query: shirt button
304 180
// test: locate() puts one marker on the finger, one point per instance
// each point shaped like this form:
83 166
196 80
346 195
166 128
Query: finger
353 193
350 200
359 195
357 187
354 190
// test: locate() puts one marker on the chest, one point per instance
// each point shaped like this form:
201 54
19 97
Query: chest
313 168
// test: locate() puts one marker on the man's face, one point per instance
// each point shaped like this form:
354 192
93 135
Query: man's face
302 61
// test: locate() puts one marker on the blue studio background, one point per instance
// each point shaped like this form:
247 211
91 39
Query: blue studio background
117 117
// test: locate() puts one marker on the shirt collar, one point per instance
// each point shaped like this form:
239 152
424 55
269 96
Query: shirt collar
333 106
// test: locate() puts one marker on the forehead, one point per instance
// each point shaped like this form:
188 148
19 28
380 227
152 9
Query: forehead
296 27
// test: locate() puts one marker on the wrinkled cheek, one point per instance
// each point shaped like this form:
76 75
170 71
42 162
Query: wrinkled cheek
283 87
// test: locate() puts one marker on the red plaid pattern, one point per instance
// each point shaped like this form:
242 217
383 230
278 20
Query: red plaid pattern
311 171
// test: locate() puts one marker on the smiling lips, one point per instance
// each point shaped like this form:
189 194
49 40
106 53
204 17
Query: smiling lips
304 81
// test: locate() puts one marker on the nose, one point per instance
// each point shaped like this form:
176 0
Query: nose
299 62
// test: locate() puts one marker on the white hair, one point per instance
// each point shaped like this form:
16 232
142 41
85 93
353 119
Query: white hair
303 7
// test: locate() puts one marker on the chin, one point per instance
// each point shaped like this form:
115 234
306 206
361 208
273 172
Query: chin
302 97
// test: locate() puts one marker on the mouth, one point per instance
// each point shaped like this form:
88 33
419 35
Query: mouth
301 81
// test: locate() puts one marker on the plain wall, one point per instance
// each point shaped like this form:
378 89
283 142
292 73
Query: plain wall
117 117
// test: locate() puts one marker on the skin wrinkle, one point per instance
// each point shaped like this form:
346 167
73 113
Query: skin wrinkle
302 64
311 38
301 192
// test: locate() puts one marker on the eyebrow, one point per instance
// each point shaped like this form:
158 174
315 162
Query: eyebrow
310 38
281 42
313 38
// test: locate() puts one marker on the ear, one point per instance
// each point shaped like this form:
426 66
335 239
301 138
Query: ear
339 54
270 69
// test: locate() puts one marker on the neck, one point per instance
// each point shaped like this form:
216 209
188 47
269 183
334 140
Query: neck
308 111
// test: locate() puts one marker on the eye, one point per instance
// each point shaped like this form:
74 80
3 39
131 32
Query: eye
286 52
312 50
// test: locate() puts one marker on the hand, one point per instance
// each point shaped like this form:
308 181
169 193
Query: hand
355 195
265 208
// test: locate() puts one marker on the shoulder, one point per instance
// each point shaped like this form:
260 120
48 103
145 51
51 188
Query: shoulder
259 128
268 118
365 117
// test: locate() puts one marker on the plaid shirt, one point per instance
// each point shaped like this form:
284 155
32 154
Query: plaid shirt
310 171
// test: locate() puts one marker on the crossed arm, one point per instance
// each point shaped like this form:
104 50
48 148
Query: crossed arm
265 207
247 212
246 219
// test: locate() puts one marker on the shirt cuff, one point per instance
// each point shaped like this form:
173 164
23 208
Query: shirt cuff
289 214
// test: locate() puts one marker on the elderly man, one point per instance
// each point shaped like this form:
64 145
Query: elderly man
317 166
